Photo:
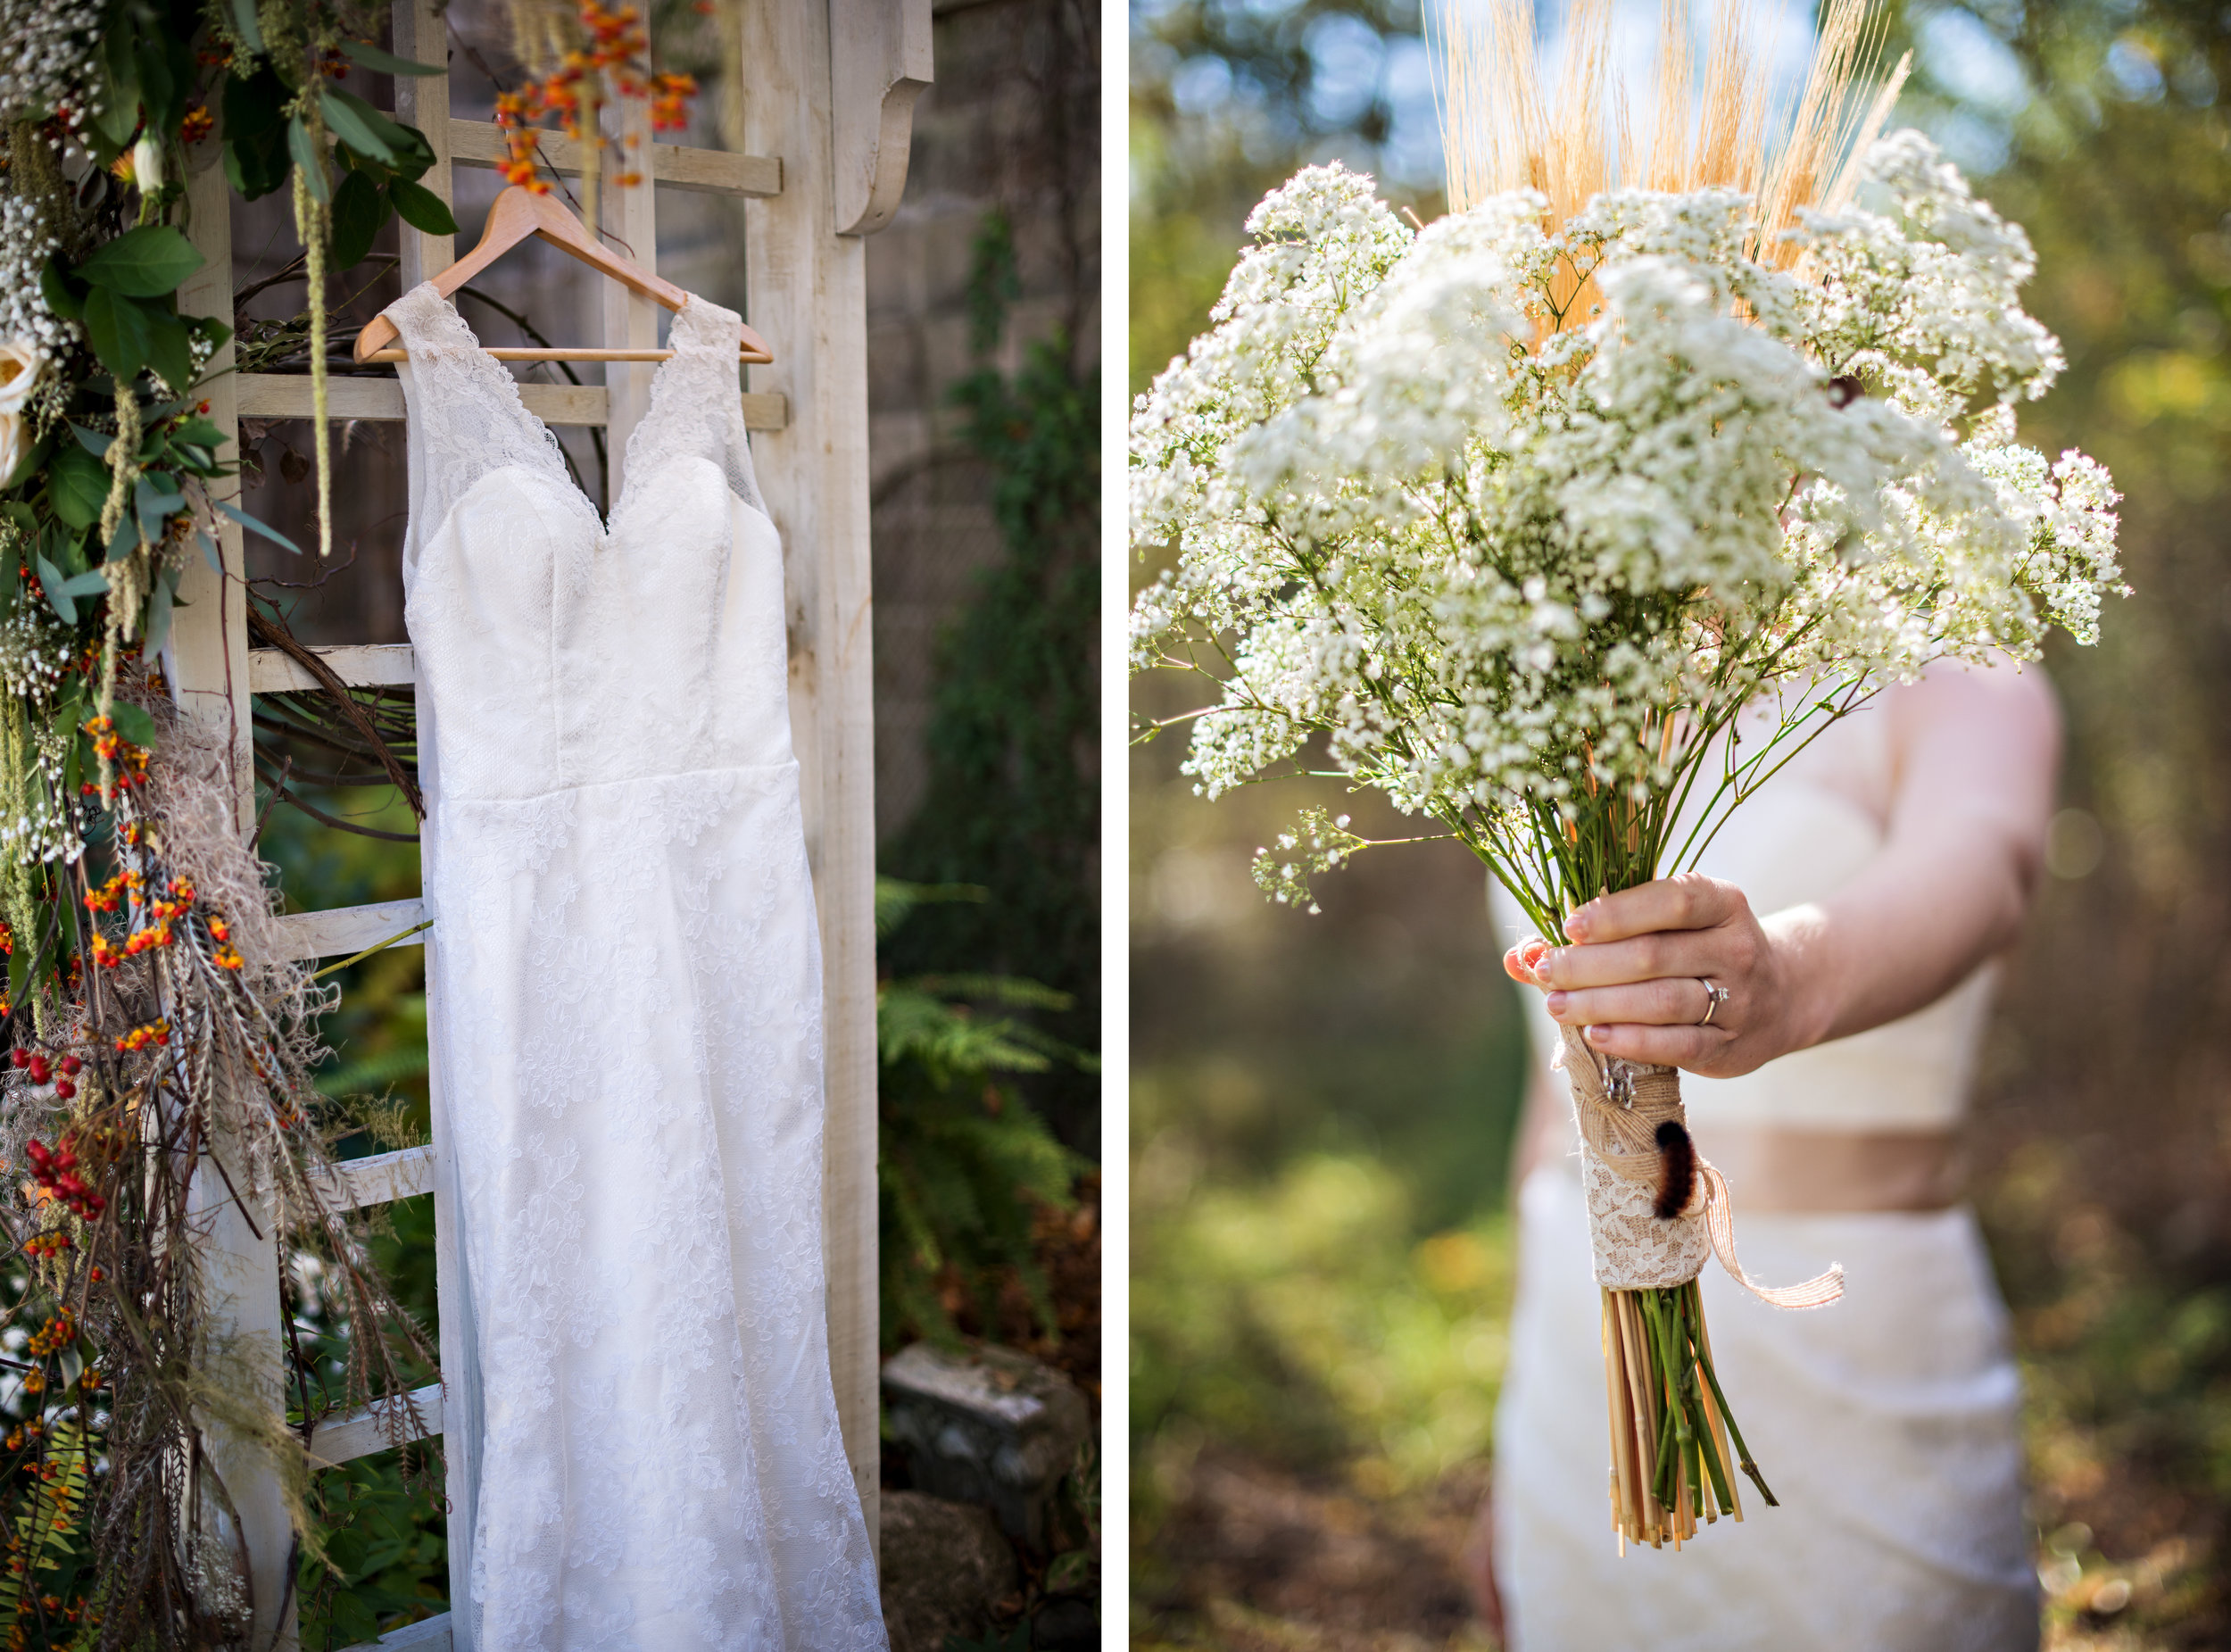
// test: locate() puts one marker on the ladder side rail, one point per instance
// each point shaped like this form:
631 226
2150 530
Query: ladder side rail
807 291
207 659
421 33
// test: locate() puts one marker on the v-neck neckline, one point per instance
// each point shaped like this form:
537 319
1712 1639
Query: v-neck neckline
604 519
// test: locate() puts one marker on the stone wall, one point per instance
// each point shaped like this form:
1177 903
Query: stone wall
1012 124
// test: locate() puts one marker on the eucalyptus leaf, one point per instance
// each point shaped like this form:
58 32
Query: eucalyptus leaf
156 500
251 28
158 90
245 520
124 541
93 441
90 584
157 631
381 63
346 119
50 578
306 156
209 553
146 262
421 208
70 1363
358 213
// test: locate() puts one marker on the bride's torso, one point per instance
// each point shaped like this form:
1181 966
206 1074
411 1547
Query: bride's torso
1801 837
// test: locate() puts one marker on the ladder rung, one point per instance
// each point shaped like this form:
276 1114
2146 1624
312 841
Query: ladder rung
287 395
428 1634
341 930
380 1179
371 665
708 172
361 1432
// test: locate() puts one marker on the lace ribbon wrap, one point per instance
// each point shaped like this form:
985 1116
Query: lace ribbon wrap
1619 1106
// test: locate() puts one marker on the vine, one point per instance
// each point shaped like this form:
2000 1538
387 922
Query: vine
1012 802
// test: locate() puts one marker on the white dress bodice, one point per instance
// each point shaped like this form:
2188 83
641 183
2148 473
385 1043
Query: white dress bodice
1801 837
625 1021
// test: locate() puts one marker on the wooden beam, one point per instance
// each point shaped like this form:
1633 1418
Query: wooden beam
422 101
808 288
879 64
287 395
380 1179
365 665
700 171
342 930
631 321
365 1429
207 663
424 25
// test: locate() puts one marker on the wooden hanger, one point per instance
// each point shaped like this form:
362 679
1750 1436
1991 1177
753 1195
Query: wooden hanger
519 213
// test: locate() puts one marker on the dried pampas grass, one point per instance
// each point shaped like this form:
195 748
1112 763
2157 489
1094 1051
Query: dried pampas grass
1504 127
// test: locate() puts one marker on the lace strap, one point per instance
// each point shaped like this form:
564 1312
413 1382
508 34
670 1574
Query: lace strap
696 401
466 415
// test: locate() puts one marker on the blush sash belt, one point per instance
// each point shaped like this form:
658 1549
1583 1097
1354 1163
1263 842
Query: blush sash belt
1792 1172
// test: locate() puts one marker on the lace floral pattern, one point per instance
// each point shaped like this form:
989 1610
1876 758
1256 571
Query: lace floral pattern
696 407
627 1021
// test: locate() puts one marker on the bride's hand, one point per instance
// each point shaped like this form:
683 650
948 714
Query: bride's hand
1635 981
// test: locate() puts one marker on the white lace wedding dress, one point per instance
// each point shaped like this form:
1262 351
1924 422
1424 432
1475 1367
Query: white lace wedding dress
626 1021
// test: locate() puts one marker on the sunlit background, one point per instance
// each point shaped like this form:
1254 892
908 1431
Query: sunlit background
1322 1105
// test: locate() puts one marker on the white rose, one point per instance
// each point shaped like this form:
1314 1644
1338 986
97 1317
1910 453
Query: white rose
21 366
147 165
12 441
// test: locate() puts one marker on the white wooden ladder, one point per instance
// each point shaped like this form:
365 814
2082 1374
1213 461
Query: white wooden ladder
830 89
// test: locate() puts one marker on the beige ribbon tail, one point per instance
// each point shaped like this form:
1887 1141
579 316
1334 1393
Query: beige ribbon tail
1720 1222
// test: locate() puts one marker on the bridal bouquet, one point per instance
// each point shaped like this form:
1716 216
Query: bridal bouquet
1519 513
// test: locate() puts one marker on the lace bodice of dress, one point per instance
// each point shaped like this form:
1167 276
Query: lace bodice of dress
1805 834
663 653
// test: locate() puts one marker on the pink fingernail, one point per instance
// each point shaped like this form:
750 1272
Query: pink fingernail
1594 1034
1558 1002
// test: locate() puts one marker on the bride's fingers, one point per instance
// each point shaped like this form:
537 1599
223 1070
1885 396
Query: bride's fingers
1697 1049
1668 1001
1522 962
1644 958
1689 901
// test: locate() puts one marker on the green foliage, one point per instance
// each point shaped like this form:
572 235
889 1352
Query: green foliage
964 1160
1016 1639
381 159
1302 81
1013 799
44 1553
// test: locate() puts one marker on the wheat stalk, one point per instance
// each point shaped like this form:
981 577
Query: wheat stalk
1504 127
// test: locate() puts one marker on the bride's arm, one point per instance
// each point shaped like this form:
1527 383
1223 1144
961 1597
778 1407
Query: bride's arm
1976 754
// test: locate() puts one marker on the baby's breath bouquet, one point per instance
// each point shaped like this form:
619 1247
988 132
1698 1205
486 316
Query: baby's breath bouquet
1516 514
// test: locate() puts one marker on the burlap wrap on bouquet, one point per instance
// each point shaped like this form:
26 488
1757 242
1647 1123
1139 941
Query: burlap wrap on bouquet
1619 1106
